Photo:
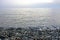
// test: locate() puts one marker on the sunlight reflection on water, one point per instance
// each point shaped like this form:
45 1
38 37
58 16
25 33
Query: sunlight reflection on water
27 17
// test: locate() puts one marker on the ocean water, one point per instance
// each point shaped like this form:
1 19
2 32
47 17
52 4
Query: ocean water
30 17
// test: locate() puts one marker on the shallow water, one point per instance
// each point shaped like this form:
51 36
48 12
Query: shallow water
30 17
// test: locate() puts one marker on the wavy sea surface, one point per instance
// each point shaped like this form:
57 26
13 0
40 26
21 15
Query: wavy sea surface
30 17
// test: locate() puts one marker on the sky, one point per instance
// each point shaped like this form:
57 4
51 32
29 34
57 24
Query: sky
29 3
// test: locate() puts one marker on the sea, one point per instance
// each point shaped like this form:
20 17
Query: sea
30 17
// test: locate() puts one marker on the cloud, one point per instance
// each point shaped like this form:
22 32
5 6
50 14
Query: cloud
56 1
29 3
24 2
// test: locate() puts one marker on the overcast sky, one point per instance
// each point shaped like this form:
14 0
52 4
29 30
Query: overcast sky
30 3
